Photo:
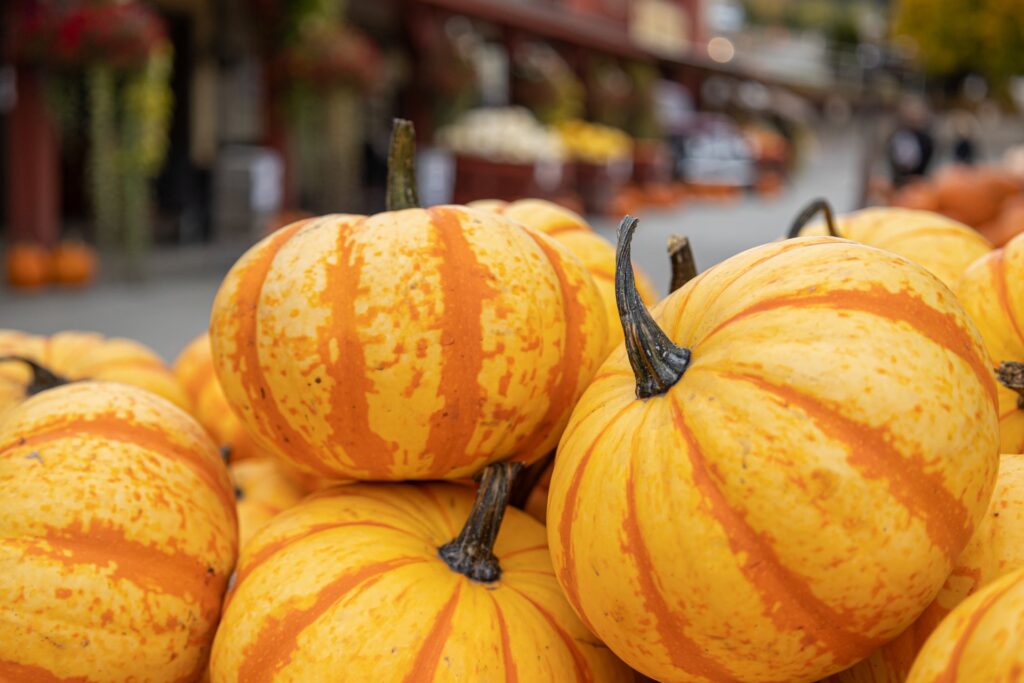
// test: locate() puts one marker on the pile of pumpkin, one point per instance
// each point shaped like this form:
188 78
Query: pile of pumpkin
788 469
72 263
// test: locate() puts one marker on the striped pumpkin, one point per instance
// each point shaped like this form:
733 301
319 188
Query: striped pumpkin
351 585
194 369
992 292
996 549
263 489
794 482
82 355
981 641
117 536
596 253
940 244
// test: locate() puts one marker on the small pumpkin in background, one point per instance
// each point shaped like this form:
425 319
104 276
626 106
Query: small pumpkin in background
1007 225
569 228
74 263
940 244
919 195
194 370
119 534
27 265
992 292
30 364
263 489
967 195
981 640
378 581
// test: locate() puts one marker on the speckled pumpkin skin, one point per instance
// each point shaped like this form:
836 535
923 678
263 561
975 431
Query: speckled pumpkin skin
194 370
981 640
264 490
799 496
117 536
348 585
996 549
992 292
942 245
415 344
84 355
596 253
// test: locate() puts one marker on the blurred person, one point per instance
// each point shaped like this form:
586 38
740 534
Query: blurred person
911 146
965 149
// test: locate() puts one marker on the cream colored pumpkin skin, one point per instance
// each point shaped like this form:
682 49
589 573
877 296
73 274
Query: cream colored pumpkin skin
415 344
348 586
801 493
117 535
981 640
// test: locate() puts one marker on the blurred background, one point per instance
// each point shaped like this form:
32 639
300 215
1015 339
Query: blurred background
147 144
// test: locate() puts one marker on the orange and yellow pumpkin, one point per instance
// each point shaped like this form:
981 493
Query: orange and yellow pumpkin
413 344
596 253
789 457
263 489
378 582
73 356
118 536
981 640
992 292
942 245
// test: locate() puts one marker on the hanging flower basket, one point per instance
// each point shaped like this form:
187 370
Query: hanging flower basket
334 55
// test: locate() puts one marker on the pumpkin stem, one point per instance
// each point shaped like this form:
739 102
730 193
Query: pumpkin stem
472 552
657 362
42 377
527 481
401 190
808 212
1011 375
684 267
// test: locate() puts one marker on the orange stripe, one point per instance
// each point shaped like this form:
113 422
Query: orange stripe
13 672
801 610
246 360
684 653
425 665
901 306
583 672
997 267
511 674
949 674
531 549
463 284
870 451
272 648
564 384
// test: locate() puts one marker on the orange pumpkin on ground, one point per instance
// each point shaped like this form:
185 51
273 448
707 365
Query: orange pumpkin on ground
992 292
1007 225
996 548
27 266
982 640
73 356
842 374
967 195
263 489
118 536
378 582
940 244
194 370
413 344
596 253
74 263
920 195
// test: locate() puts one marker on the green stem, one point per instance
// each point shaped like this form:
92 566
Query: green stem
42 377
684 267
472 552
809 212
1011 375
401 190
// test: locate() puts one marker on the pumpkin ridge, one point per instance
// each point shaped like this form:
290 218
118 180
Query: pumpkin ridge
901 306
453 528
424 666
583 672
998 269
821 623
519 551
511 674
564 227
923 494
349 412
260 664
929 231
15 671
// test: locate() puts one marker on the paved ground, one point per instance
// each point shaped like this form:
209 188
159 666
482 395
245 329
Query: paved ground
173 306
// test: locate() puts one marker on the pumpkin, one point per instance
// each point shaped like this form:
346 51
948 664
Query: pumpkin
377 581
1007 225
940 244
74 263
569 228
790 452
27 265
29 364
996 548
413 344
263 488
981 640
967 195
118 537
920 195
194 370
992 292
